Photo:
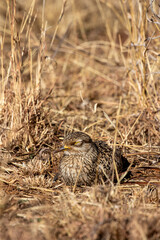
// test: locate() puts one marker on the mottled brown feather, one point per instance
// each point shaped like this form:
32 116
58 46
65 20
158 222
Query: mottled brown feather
86 161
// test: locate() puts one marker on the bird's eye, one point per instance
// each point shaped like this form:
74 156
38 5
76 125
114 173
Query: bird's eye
78 143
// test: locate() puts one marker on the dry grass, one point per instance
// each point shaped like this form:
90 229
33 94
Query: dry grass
84 65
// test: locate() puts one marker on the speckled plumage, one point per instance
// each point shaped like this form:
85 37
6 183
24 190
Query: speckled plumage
85 161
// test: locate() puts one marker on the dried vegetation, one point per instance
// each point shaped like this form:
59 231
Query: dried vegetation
84 65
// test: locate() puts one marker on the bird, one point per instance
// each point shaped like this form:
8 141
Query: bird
85 162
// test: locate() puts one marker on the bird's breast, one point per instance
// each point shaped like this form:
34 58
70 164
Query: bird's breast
77 169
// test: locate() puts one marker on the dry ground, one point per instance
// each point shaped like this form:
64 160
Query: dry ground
84 65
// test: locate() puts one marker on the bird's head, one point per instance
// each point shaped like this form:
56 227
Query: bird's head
76 143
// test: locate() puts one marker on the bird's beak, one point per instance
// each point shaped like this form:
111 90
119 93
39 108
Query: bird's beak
62 149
